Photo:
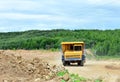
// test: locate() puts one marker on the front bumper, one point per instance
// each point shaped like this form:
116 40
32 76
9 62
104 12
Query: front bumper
73 59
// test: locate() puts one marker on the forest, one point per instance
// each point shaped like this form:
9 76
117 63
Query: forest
102 42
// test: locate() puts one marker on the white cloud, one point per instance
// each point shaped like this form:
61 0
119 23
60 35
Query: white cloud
22 16
18 5
38 17
104 2
50 14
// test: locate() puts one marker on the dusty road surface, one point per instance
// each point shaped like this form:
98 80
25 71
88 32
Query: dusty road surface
108 70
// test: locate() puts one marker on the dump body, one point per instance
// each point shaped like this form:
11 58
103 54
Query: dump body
73 52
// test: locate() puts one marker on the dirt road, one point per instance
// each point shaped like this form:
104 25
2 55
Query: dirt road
107 70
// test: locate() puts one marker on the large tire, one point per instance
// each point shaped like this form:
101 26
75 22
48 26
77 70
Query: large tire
82 63
62 58
68 63
79 63
64 63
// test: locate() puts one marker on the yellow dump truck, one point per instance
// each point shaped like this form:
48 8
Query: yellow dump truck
73 52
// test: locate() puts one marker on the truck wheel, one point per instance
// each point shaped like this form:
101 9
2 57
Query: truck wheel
64 63
62 58
79 63
68 63
82 63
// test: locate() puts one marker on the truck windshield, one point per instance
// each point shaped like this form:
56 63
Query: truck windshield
77 48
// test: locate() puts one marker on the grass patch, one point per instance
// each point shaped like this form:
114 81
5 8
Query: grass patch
98 80
75 77
107 57
62 73
54 50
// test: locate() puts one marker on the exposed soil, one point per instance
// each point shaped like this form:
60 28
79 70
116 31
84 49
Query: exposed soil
15 68
40 65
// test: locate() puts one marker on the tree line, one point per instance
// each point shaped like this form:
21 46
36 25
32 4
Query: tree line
102 42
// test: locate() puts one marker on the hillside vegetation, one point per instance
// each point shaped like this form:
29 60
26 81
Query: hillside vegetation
101 42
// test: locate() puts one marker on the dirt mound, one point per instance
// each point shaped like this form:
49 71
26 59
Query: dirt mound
34 70
113 67
93 69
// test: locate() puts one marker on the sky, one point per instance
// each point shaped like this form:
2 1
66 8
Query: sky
22 15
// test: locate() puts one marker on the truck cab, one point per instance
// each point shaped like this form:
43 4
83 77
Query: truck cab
73 52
